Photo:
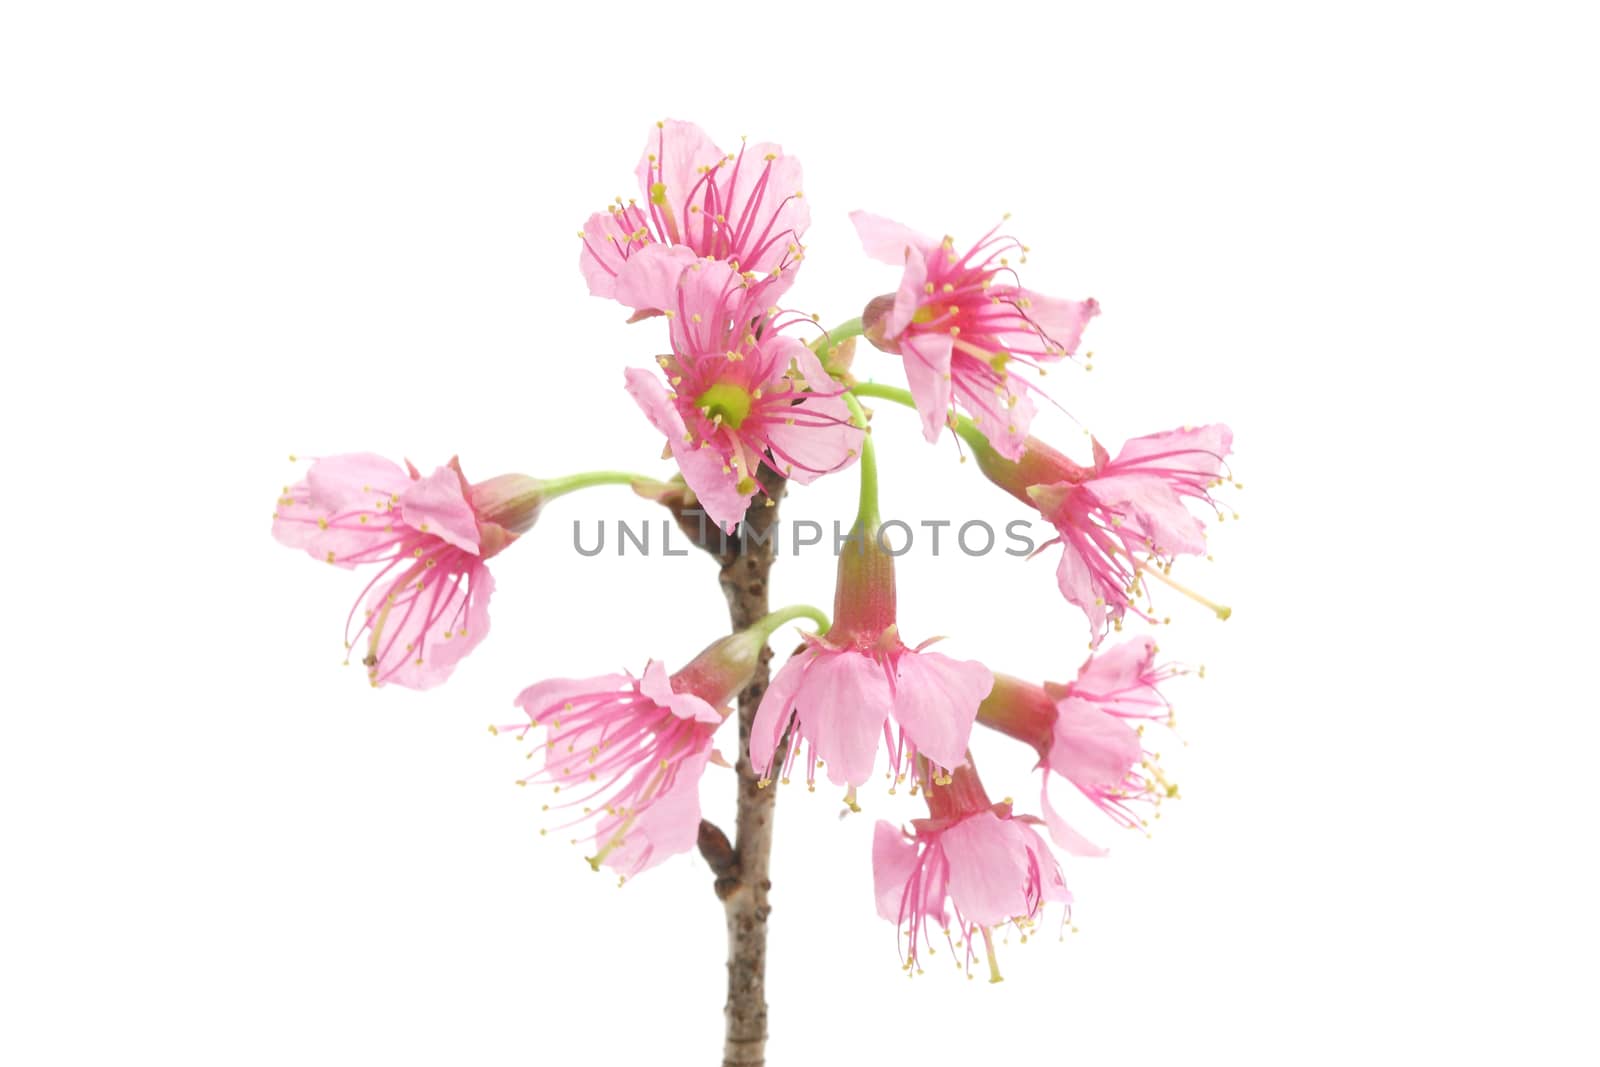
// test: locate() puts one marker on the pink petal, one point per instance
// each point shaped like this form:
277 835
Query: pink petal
894 860
787 351
1078 584
936 702
1121 667
610 239
657 687
703 467
336 536
886 240
1004 424
545 700
1065 837
1090 748
988 869
711 290
1149 505
1062 321
772 716
843 700
820 440
927 362
1052 884
667 825
423 635
438 505
355 480
768 210
1198 451
649 279
684 152
909 297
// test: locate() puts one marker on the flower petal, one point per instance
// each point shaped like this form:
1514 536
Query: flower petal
1150 506
773 714
894 860
988 869
886 240
764 207
547 699
657 687
610 240
426 620
338 483
665 826
909 297
1061 321
1065 837
1090 748
1080 586
813 437
936 701
927 362
842 701
1196 452
649 279
704 468
1115 670
438 505
678 154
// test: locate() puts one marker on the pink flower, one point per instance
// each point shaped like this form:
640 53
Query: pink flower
1082 732
746 209
971 866
960 322
631 750
742 393
1123 518
428 605
841 691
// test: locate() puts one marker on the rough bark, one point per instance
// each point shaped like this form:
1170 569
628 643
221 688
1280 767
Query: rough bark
741 867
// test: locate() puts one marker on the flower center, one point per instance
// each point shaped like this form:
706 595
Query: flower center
726 403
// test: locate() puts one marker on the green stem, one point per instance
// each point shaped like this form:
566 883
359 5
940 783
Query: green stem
964 427
884 392
867 513
769 624
838 336
554 487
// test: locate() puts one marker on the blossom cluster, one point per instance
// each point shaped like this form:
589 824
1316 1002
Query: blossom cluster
747 393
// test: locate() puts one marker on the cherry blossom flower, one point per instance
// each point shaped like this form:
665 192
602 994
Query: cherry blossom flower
840 692
1088 732
630 751
1123 519
962 324
430 537
745 208
742 392
971 866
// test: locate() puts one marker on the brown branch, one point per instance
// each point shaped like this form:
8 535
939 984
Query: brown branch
741 869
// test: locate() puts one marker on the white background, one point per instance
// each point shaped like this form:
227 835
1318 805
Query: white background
1363 236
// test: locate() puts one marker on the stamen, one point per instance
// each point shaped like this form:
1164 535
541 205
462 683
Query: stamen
1222 610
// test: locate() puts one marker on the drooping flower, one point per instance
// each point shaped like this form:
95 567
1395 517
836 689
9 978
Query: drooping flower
842 690
742 394
970 866
1087 731
428 605
744 208
1122 519
962 324
630 750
